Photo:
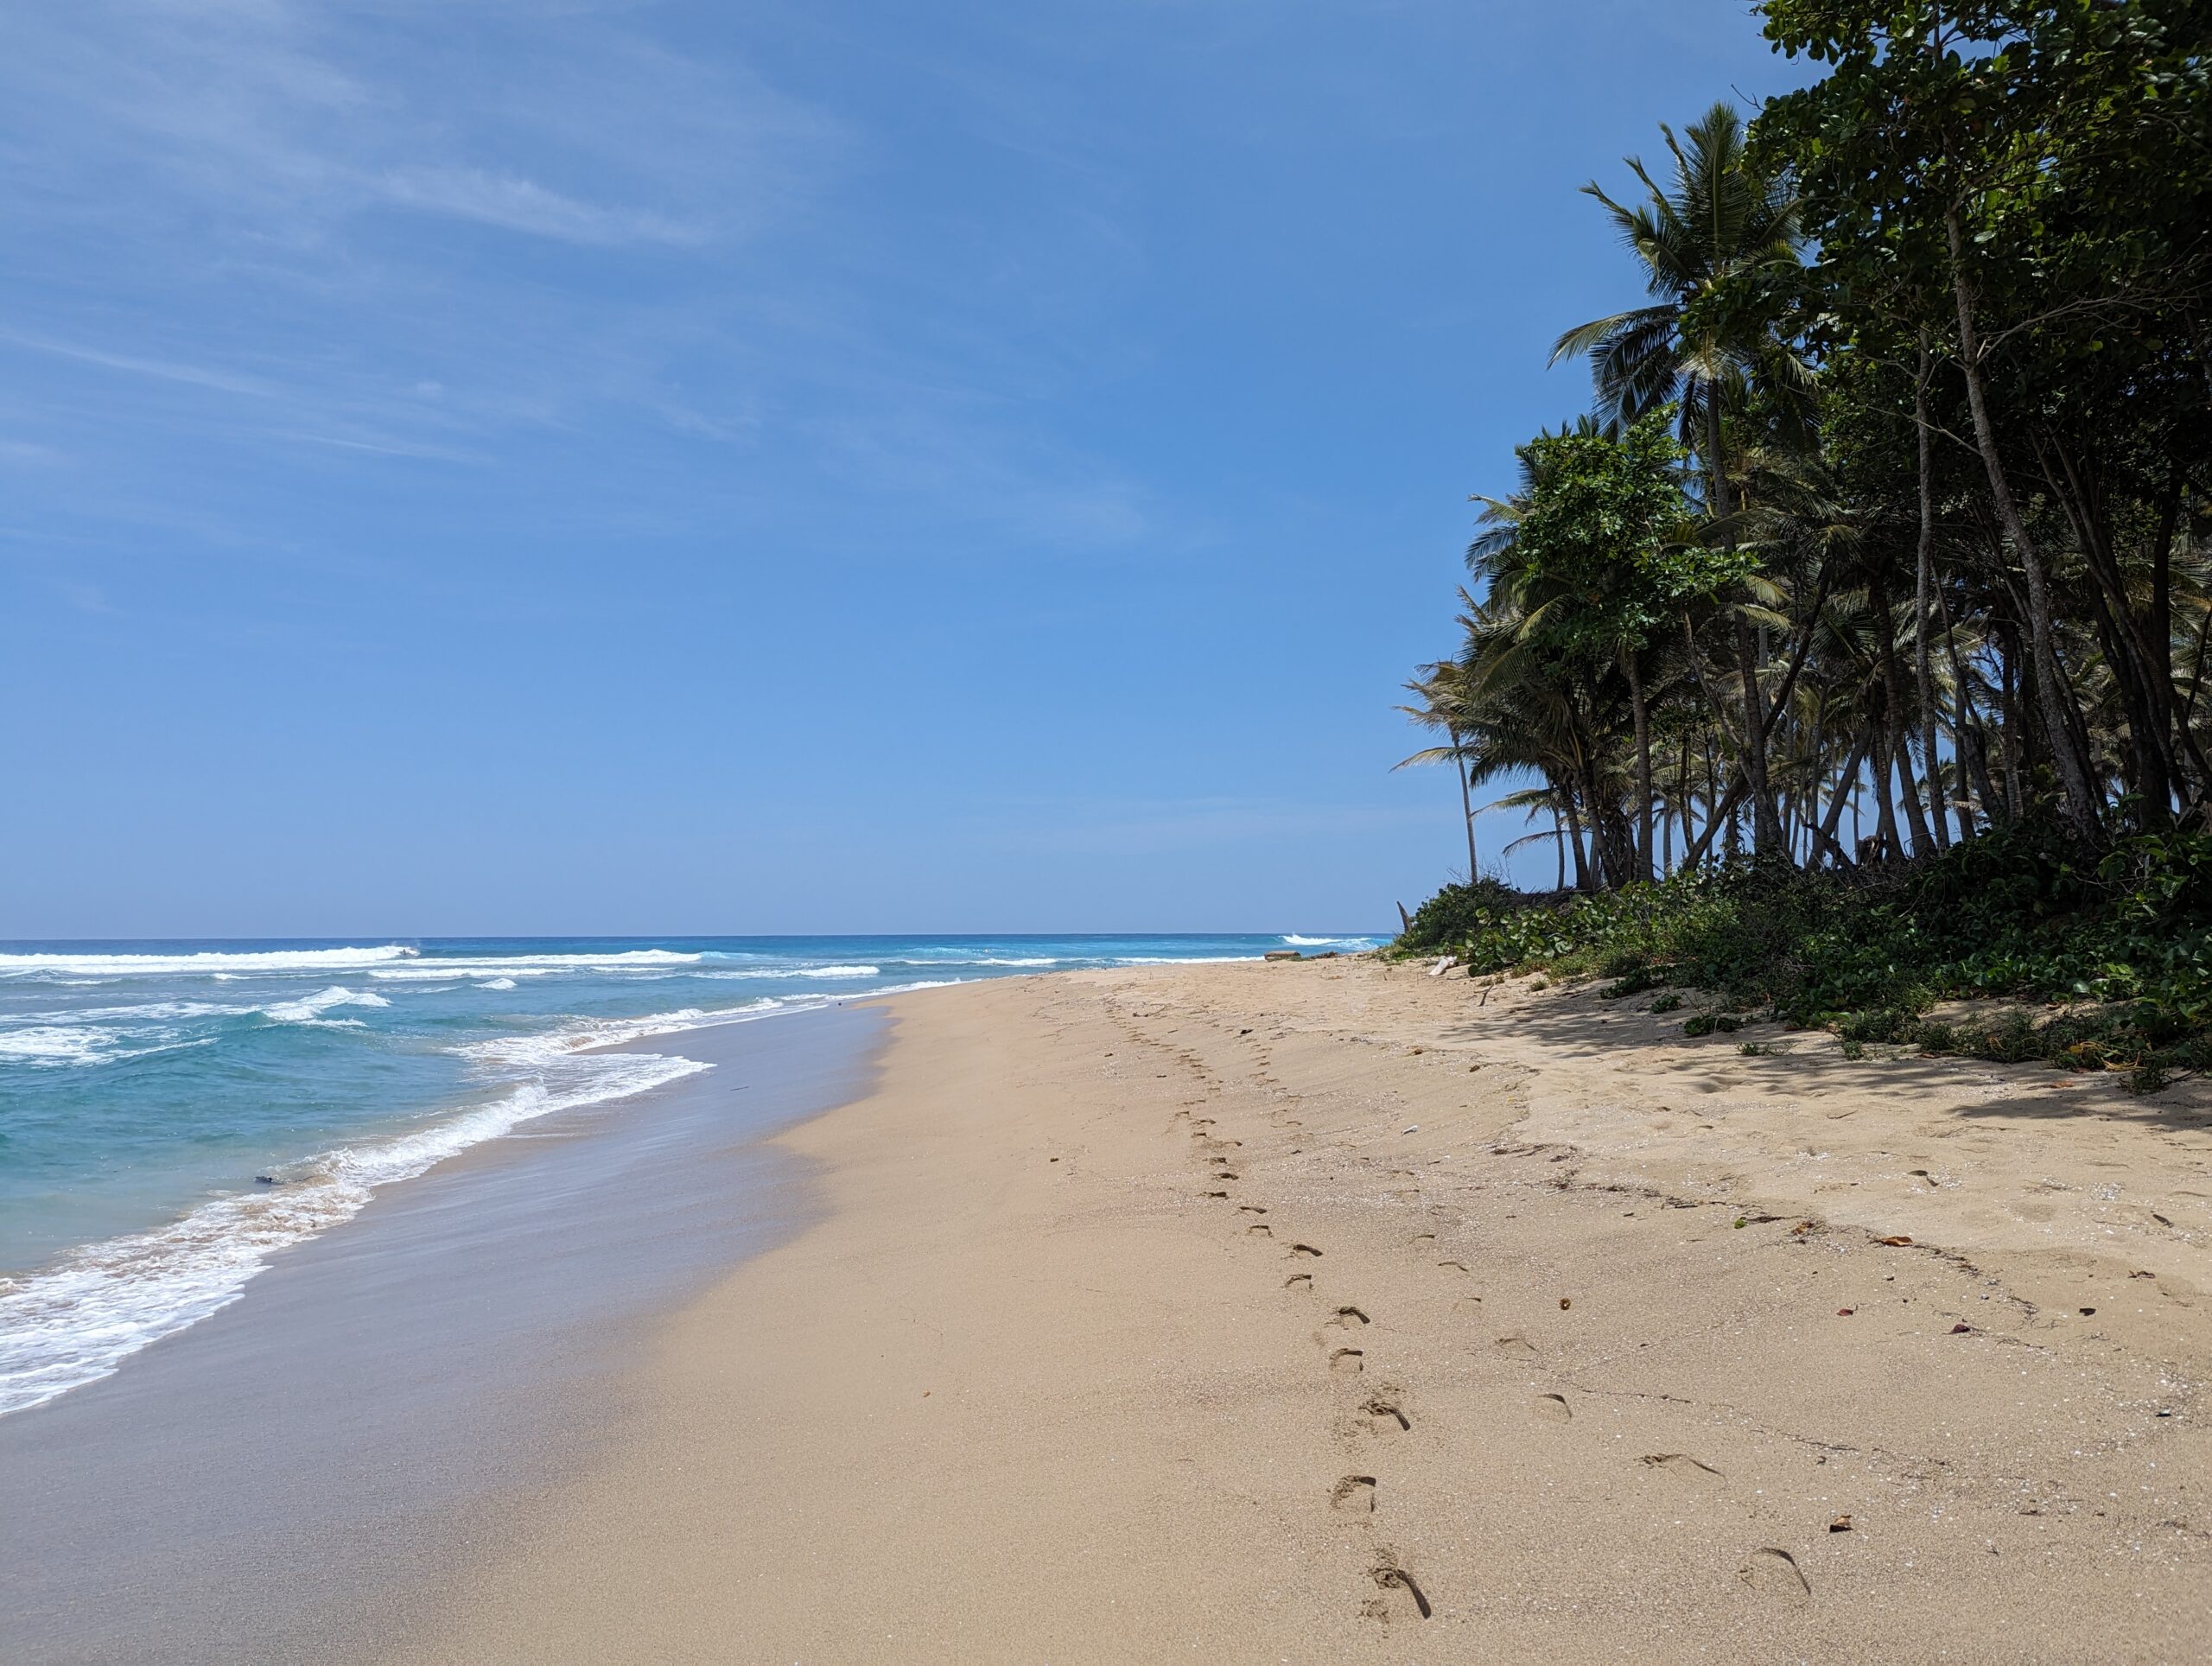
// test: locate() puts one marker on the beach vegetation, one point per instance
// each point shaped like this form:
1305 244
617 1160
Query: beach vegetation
1849 651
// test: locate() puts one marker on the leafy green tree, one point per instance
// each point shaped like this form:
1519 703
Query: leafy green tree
2040 170
1602 560
1719 252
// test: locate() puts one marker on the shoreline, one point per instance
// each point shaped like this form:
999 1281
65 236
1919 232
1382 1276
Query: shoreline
1610 1349
324 1448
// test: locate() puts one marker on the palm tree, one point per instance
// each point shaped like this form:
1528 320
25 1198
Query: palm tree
1442 690
1712 250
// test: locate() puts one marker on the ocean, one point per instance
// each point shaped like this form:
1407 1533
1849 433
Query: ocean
174 1114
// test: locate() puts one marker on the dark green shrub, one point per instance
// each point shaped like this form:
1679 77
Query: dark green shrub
1886 1024
1447 919
2017 913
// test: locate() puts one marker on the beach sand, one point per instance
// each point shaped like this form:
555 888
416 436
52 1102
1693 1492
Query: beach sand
1328 1312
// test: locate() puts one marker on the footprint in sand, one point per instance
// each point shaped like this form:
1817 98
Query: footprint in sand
1305 1250
1773 1573
1517 1345
1347 1360
1345 1318
1393 1579
1259 1230
1355 1493
1251 1209
1455 1266
1297 1279
1680 1466
1386 1414
1553 1407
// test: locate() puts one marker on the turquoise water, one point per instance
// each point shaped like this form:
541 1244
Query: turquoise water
172 1114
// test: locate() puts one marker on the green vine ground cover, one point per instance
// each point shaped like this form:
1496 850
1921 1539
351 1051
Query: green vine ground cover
2118 941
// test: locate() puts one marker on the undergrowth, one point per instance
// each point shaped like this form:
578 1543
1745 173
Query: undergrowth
2121 940
1453 915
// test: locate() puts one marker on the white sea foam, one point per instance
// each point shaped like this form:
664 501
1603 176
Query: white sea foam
57 1043
219 962
908 988
1298 942
309 1007
498 983
430 968
76 1321
1180 960
534 1051
796 971
141 1012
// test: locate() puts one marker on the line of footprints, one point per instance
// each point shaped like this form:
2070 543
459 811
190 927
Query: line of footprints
1379 1413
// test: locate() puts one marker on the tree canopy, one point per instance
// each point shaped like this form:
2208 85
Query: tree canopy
1887 526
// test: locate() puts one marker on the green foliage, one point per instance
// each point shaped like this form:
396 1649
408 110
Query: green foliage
2125 936
1447 919
1603 554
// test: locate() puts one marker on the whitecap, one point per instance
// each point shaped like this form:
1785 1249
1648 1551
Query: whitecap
534 965
146 1011
991 960
308 1008
57 1045
498 983
798 971
219 962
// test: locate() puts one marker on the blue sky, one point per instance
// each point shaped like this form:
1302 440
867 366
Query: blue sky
487 466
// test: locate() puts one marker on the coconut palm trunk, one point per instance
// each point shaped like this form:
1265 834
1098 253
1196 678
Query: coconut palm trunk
1460 767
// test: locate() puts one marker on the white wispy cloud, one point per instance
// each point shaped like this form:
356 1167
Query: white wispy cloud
162 370
444 229
523 205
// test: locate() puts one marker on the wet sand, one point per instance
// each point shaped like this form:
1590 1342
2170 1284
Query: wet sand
296 1478
1327 1312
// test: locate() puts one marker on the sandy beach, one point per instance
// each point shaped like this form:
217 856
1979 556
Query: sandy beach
1326 1311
